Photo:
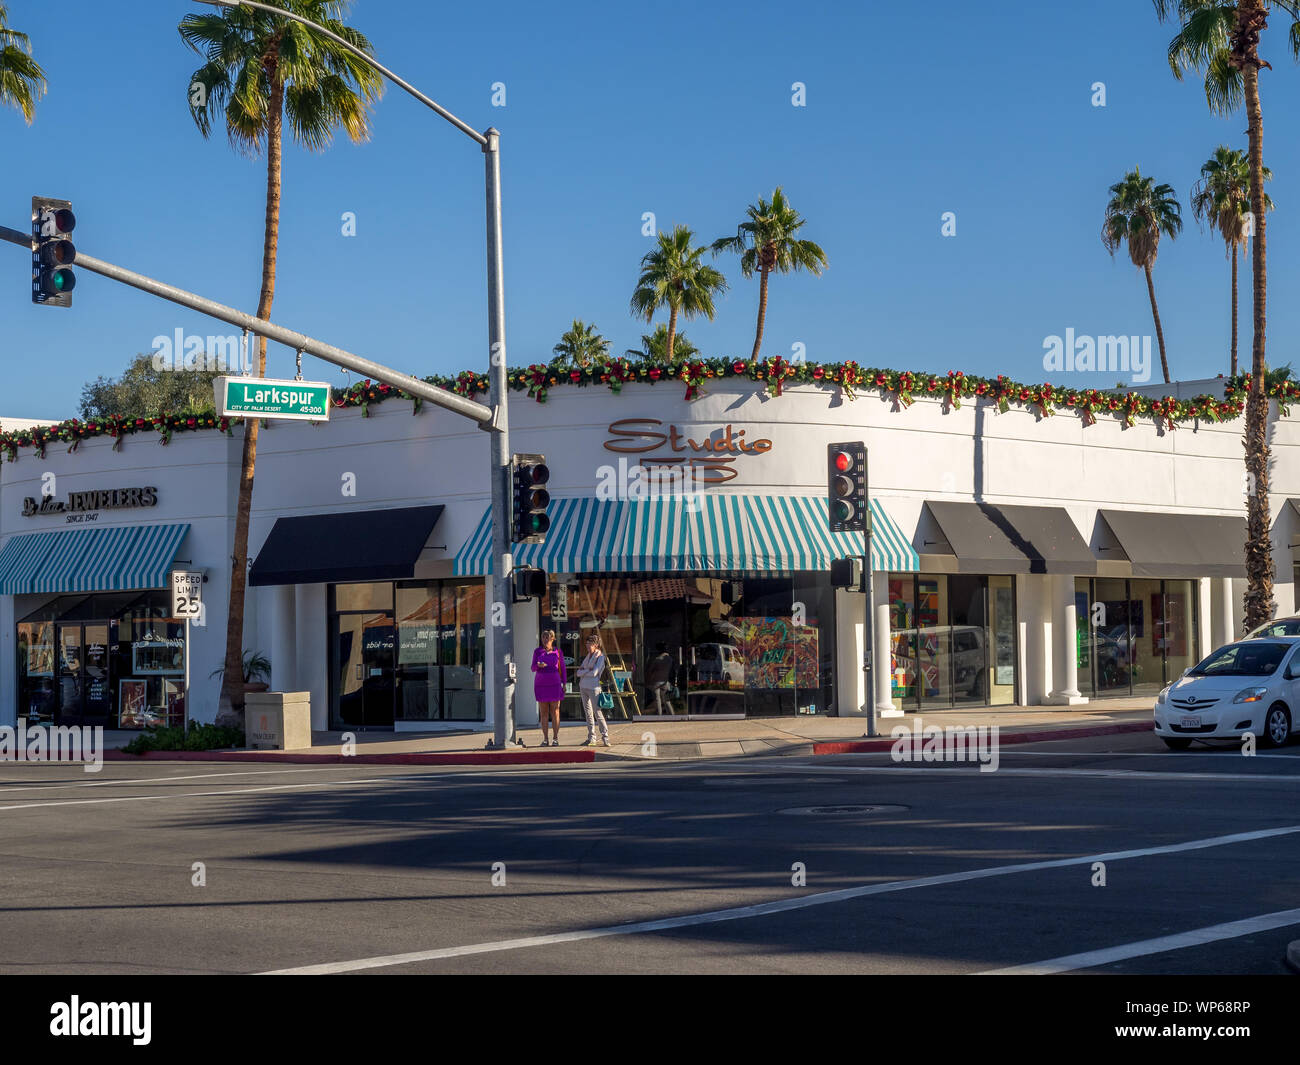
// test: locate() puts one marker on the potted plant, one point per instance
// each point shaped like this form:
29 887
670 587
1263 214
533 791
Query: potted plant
255 664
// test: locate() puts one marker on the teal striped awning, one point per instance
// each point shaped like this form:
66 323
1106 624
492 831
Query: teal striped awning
685 534
113 559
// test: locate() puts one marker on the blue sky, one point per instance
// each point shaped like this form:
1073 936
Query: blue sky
911 111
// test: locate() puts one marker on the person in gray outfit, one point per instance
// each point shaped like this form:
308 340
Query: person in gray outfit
590 671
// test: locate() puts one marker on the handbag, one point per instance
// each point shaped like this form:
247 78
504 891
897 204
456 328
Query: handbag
605 701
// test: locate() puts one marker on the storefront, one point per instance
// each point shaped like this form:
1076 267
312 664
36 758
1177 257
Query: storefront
1000 575
90 539
114 660
406 651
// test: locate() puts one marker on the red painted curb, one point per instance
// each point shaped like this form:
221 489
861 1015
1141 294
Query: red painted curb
524 757
885 743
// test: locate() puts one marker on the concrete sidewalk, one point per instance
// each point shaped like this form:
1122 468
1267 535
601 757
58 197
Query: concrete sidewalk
675 740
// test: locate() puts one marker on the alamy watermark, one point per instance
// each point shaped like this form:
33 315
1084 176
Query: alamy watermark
55 743
931 743
1100 354
636 481
180 351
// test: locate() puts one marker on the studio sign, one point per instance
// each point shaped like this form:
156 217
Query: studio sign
88 502
708 452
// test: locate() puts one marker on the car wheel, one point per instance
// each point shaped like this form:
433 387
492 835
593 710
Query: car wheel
1176 744
1277 726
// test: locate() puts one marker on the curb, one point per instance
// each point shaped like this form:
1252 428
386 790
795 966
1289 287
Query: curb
1023 736
519 757
1293 955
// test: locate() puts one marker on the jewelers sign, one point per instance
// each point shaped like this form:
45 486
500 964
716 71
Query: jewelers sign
259 397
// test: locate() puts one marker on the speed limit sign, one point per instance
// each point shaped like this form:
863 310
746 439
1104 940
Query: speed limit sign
187 594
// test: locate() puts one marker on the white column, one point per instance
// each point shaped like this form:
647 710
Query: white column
1223 622
1203 589
524 621
312 650
850 681
880 650
283 651
1067 647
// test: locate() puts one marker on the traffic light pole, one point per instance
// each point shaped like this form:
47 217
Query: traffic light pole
869 664
261 327
503 635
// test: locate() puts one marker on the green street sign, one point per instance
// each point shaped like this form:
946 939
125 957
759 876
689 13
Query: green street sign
259 397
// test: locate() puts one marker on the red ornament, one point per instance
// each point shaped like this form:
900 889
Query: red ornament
654 373
738 367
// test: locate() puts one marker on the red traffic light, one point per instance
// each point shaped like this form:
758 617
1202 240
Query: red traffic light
843 461
64 220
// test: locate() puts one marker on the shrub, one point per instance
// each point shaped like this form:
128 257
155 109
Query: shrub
198 737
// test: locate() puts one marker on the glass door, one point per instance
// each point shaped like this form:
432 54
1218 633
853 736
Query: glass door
364 670
662 639
97 687
70 674
714 653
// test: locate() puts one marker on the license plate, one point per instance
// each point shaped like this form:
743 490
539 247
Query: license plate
1190 722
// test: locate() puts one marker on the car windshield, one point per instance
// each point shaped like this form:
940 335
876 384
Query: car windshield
1283 627
1253 659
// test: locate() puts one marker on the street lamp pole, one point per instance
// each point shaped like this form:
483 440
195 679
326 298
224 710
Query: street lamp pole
499 608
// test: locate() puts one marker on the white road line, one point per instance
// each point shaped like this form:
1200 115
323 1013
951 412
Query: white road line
971 770
194 794
764 908
1198 937
1168 756
7 789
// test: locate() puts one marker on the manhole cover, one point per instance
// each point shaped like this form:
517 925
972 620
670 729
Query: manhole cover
843 811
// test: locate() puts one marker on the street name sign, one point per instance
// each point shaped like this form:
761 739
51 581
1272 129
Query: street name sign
260 397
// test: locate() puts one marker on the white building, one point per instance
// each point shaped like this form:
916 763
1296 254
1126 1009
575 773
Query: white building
1019 560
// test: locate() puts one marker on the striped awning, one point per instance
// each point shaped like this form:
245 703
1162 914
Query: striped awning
685 534
113 559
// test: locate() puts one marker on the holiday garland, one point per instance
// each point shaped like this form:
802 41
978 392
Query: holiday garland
774 374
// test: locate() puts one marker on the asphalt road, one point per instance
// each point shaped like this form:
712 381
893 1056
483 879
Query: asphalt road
390 869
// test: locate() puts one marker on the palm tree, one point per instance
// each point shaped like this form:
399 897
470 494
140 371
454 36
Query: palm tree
654 347
581 345
22 81
1222 40
259 71
1221 199
1139 213
672 276
767 242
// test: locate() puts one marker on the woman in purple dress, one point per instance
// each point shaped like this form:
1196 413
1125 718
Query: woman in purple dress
549 679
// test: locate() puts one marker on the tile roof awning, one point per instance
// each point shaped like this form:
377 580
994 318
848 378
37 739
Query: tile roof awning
349 545
1004 538
1179 545
114 558
732 533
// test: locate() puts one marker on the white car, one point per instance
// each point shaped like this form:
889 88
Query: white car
1249 686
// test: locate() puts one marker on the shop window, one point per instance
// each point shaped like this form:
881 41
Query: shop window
114 660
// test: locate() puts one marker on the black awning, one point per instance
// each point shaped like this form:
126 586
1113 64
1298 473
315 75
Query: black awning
1180 545
989 538
352 545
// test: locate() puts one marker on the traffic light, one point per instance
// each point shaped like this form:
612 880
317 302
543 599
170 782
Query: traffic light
529 584
52 252
847 573
529 520
846 479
